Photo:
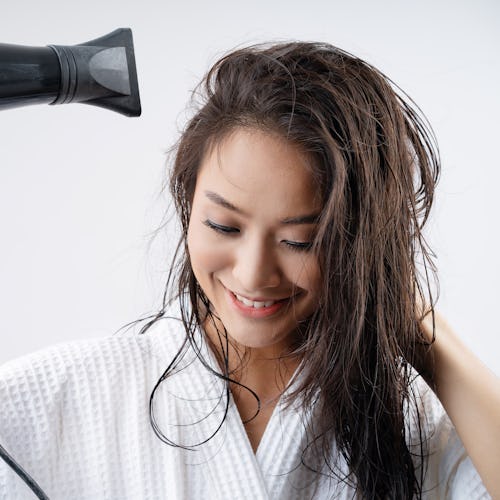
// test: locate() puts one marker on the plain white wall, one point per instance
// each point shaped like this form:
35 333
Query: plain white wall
80 186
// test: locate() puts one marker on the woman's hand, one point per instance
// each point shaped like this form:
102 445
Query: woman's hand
470 394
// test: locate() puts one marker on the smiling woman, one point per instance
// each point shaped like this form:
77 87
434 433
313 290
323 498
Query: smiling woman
288 361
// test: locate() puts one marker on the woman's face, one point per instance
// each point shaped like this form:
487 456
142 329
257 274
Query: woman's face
252 221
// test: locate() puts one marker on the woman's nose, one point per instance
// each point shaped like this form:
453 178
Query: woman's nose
256 267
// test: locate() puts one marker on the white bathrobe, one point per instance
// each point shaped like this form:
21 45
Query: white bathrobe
76 417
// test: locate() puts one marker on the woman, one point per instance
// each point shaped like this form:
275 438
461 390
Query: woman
290 366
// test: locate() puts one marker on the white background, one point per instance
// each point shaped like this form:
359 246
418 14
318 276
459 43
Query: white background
80 187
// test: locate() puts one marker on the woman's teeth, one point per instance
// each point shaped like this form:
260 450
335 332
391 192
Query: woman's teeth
256 305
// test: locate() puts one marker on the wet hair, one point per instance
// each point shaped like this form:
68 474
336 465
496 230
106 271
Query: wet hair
376 163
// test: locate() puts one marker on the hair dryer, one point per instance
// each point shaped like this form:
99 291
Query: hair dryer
101 72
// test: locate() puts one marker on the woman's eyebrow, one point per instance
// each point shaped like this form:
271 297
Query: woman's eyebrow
219 200
222 202
302 219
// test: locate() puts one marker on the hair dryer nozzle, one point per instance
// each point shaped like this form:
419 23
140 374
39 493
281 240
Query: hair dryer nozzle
101 72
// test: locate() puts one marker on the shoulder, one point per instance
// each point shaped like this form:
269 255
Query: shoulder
162 339
51 377
64 408
63 387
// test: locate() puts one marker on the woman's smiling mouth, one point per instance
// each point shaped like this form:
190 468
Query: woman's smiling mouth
261 308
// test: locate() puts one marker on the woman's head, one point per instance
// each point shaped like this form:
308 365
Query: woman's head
371 163
365 150
253 219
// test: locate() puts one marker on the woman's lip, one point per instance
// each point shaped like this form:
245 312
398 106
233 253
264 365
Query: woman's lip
255 312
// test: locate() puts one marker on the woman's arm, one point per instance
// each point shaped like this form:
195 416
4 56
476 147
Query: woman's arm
470 394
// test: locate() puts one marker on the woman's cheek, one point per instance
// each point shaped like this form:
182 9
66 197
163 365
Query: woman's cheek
207 253
306 273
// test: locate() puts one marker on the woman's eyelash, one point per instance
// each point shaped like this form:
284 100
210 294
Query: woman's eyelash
295 246
219 228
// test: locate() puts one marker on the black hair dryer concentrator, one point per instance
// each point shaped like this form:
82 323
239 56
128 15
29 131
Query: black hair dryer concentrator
101 72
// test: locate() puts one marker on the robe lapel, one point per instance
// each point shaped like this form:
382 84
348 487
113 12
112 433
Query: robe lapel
280 456
229 464
195 399
279 452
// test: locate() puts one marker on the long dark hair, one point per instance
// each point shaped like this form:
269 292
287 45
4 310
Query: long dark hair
375 158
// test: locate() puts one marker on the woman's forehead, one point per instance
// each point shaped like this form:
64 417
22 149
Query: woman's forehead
253 166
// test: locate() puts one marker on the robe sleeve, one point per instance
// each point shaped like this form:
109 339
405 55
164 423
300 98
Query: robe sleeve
450 473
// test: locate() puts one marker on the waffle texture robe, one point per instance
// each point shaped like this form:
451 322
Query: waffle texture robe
76 417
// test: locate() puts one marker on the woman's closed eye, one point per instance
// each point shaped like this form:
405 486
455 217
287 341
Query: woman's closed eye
296 246
219 228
